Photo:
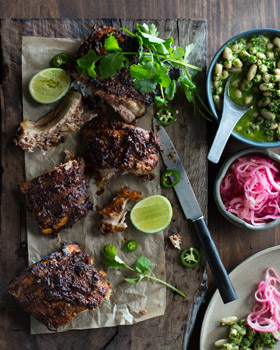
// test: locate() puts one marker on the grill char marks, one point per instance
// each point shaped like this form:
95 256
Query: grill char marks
110 146
117 91
58 198
57 288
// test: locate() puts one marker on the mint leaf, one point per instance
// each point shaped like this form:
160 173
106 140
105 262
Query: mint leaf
111 258
143 265
133 280
111 44
171 90
145 86
84 63
111 63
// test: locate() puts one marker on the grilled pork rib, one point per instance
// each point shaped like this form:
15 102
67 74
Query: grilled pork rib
114 213
53 128
60 286
112 146
117 91
58 199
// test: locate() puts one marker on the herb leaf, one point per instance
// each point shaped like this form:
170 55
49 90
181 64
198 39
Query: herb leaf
111 63
145 86
143 265
133 280
111 44
171 90
87 61
111 258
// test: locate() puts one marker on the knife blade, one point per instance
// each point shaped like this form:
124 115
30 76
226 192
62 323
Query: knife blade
193 212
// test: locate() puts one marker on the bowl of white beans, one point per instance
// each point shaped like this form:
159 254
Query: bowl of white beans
251 60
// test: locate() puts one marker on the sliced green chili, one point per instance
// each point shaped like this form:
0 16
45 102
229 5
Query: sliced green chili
131 245
190 257
166 116
60 61
166 176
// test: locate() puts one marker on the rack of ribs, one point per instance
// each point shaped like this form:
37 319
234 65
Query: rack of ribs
58 198
53 128
117 91
111 146
114 213
60 286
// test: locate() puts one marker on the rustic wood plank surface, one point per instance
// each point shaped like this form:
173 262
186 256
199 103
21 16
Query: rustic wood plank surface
225 18
173 329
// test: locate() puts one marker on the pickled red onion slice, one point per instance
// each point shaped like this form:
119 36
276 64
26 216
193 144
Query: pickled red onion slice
265 315
251 189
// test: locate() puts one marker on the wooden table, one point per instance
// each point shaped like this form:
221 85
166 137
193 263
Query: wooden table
225 18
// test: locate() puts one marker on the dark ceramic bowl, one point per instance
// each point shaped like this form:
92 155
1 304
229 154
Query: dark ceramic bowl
209 84
217 195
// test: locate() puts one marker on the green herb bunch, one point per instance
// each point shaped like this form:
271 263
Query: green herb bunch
156 57
142 267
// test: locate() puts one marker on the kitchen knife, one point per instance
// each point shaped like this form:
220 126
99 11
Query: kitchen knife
193 212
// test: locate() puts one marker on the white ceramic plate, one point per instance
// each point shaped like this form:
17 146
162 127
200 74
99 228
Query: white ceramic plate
245 278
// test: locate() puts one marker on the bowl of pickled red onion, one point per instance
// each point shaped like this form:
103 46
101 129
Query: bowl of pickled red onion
247 189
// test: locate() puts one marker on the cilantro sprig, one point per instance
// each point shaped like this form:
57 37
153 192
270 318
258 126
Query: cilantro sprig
156 58
142 267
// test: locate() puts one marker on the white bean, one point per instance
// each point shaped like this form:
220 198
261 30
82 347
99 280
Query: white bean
277 71
264 102
225 74
267 114
255 114
266 78
270 54
267 93
266 86
248 100
244 86
260 55
228 64
218 69
237 63
235 82
258 78
276 41
249 44
269 46
252 72
236 48
238 93
235 70
227 54
275 78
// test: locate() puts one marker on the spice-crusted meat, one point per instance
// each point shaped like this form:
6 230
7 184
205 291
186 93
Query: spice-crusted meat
117 91
58 198
114 212
53 128
112 145
57 288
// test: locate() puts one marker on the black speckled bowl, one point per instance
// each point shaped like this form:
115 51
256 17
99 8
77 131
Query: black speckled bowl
209 84
217 196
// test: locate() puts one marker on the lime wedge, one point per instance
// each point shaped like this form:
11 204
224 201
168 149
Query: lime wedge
152 214
49 85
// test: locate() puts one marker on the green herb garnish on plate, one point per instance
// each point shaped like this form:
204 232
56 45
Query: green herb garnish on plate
156 58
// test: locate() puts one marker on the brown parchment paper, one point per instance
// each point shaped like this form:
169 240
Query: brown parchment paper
127 300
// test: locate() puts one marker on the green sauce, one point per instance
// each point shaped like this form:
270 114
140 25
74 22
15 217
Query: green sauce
262 55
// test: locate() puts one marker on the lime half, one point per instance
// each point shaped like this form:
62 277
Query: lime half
152 214
49 85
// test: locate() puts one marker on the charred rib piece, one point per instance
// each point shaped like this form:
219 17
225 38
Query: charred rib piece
117 91
111 146
114 213
58 199
60 286
53 128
